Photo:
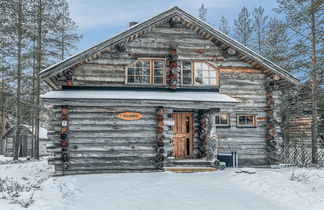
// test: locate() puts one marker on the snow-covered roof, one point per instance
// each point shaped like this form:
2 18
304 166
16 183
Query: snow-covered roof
42 131
140 95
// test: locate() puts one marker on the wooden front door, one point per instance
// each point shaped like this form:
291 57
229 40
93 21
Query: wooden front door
182 135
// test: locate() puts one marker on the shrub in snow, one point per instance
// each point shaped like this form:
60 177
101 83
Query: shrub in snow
19 191
299 176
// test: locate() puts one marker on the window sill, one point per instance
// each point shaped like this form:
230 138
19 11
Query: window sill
222 126
248 126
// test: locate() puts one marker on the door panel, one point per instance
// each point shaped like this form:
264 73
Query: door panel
182 135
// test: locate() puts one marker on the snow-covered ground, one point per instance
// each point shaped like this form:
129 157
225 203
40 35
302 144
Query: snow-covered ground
27 183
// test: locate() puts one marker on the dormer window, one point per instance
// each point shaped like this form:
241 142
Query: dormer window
199 73
146 71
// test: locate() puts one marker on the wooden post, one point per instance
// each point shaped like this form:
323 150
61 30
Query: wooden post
211 140
160 137
203 133
64 136
174 67
271 132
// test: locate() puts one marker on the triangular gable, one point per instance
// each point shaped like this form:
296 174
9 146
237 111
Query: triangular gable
189 21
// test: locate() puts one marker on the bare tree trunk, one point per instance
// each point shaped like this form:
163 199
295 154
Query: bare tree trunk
3 111
314 86
63 32
38 68
19 68
33 101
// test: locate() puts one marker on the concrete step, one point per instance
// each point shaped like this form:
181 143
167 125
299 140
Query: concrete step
189 169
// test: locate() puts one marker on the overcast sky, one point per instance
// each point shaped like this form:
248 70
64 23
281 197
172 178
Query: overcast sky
101 19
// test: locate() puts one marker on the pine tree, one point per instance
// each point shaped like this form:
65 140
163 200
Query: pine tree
29 35
202 13
275 43
259 27
243 27
224 26
305 20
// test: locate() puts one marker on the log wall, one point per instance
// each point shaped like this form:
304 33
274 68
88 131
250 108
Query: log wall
100 141
109 68
26 143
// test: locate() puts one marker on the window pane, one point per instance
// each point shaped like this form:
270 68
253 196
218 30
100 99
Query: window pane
146 79
242 120
131 79
158 64
212 73
198 66
204 66
186 73
146 64
246 120
146 71
158 80
186 81
205 81
249 120
217 120
158 72
223 119
198 81
131 71
212 81
205 73
138 79
186 65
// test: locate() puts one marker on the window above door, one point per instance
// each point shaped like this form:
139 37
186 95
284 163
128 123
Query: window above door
153 72
146 71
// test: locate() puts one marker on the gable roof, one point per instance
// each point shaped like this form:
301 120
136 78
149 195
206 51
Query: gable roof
197 25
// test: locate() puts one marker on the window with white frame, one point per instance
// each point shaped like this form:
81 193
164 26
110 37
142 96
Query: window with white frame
246 120
222 120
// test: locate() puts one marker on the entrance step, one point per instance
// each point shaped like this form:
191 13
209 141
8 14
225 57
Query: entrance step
189 169
192 163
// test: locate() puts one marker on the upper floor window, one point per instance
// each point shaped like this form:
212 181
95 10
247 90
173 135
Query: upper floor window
199 73
146 71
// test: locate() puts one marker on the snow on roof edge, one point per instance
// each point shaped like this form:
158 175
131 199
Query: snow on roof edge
141 95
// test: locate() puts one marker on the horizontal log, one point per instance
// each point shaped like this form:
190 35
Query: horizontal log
105 167
110 154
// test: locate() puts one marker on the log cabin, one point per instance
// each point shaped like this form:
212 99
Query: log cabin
161 94
25 141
